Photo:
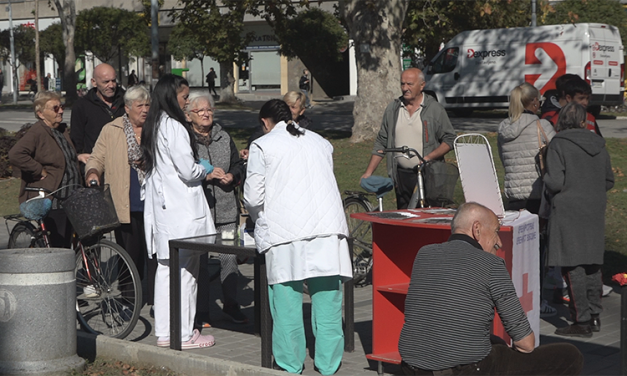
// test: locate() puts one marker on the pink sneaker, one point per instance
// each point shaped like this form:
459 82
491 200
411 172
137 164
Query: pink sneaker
163 342
198 341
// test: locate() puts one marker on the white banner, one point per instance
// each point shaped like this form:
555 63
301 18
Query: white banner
526 264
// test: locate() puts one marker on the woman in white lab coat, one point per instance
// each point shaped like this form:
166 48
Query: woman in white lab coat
175 205
292 195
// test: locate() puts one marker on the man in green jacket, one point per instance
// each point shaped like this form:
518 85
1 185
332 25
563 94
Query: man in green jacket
415 120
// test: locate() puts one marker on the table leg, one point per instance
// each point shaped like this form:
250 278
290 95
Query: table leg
349 316
257 295
266 317
349 308
175 300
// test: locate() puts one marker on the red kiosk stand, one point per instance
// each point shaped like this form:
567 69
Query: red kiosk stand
396 240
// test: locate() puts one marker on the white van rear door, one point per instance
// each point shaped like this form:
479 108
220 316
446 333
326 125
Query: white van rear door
605 62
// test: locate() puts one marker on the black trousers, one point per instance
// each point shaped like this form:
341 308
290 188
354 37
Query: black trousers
406 181
552 359
585 288
59 228
130 236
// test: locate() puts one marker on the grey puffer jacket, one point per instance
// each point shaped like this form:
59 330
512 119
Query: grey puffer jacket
518 148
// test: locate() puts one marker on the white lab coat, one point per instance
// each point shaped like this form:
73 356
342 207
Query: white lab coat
292 195
175 206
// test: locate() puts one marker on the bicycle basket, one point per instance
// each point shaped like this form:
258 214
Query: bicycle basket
91 211
440 180
36 208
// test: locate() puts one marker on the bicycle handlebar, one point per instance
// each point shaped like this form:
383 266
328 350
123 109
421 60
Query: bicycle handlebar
37 189
407 151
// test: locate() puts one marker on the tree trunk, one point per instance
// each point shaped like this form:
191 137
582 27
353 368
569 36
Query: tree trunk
375 27
67 14
227 81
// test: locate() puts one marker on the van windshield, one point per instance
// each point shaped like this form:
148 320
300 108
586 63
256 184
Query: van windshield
444 62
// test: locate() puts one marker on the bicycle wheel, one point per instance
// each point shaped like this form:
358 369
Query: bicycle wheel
24 235
361 232
108 290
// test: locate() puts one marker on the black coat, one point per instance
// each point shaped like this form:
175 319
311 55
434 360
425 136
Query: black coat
579 173
89 115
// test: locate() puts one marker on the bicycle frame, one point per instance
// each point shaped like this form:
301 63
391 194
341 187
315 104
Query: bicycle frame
419 195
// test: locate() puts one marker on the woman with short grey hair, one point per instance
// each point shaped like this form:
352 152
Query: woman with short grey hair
217 146
578 175
117 154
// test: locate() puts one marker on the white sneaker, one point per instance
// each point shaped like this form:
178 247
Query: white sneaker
89 291
546 310
607 290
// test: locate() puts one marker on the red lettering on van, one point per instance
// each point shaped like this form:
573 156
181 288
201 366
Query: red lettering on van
597 62
613 63
555 53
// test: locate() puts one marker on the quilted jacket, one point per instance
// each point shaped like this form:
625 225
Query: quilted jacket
296 197
518 148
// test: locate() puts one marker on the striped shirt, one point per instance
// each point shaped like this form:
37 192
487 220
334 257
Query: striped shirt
449 308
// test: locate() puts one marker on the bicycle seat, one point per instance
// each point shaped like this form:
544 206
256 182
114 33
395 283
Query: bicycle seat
377 185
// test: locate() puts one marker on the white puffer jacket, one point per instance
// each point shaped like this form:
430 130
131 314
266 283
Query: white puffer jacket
518 149
290 189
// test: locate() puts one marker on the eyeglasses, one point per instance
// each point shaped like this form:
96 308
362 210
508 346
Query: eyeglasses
203 111
57 108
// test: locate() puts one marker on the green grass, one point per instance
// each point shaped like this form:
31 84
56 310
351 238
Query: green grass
10 189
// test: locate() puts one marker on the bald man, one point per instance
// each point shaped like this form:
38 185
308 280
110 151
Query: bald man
449 309
416 120
102 103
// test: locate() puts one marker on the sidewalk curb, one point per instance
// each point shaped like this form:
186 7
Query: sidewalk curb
89 346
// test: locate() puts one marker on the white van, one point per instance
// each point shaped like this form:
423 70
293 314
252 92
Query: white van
478 69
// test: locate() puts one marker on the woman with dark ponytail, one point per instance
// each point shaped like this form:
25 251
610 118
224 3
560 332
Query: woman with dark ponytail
291 194
175 205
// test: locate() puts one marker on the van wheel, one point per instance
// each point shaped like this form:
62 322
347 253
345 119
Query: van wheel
463 112
594 110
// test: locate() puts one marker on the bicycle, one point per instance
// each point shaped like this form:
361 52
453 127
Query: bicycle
108 287
357 202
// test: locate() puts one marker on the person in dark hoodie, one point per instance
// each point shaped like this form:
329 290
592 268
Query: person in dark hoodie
578 175
103 103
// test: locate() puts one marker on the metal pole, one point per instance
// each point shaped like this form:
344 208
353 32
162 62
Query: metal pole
154 36
13 61
533 13
37 63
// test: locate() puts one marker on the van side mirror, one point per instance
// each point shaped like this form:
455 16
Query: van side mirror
456 76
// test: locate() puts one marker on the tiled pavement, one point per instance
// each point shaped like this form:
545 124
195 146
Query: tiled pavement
237 342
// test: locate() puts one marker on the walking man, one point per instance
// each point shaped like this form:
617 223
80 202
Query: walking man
211 81
304 85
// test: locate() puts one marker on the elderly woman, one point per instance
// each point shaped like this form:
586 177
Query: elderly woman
292 195
296 101
47 159
518 146
215 145
579 173
175 205
117 154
